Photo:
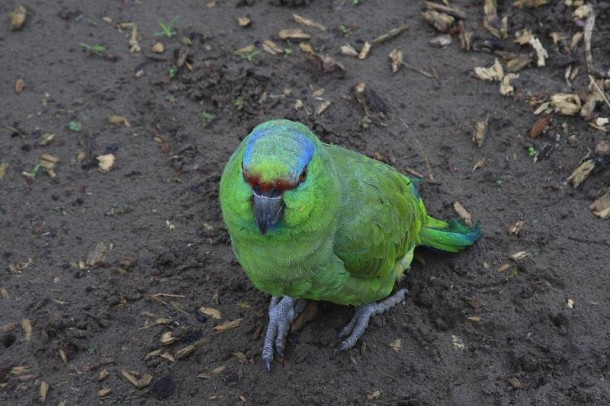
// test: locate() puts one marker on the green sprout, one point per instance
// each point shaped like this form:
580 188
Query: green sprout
93 49
173 71
532 151
32 174
239 103
75 126
207 117
168 29
250 55
288 51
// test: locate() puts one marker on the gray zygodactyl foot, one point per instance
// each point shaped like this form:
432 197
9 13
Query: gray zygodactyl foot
356 327
281 314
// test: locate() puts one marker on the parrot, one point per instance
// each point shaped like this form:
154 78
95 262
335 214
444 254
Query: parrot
315 221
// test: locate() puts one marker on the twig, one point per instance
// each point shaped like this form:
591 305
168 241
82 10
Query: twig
601 92
588 31
421 151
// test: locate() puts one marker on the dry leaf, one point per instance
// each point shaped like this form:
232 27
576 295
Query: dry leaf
102 393
18 17
566 103
463 213
210 312
307 22
293 34
601 207
348 50
26 325
396 58
158 48
441 21
244 21
515 229
493 73
230 325
106 162
581 173
44 390
19 86
479 133
505 87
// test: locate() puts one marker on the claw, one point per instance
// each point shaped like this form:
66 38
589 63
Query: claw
340 348
267 365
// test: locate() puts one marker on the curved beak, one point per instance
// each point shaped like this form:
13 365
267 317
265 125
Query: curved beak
268 209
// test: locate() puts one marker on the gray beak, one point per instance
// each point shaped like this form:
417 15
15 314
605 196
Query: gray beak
268 210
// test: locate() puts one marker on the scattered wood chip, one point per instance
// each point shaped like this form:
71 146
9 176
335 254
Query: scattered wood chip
441 41
307 22
329 64
348 50
168 356
309 313
46 139
518 256
185 351
396 344
440 21
396 58
97 254
364 52
374 395
452 11
134 45
295 34
63 355
480 163
18 17
566 103
518 62
601 207
506 88
141 383
570 303
4 293
465 37
26 325
306 48
210 312
102 393
515 383
541 126
158 48
218 370
529 3
270 47
50 158
106 162
168 338
119 120
515 229
463 213
244 21
527 37
5 328
245 50
44 390
503 267
325 104
228 326
457 343
544 107
474 319
389 35
493 73
602 148
581 173
3 168
103 375
479 133
19 86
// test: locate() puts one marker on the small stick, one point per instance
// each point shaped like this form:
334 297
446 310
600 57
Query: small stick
601 92
389 35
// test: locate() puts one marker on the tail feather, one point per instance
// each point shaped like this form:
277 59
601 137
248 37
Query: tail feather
452 236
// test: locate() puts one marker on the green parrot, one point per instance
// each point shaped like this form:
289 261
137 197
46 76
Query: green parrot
316 221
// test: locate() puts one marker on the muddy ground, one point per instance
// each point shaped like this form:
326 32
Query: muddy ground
102 265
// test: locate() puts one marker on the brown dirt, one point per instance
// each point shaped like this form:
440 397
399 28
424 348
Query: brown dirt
157 211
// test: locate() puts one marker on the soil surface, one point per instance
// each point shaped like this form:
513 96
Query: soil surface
107 270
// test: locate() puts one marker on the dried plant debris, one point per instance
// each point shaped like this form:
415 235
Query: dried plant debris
228 326
3 168
158 48
396 59
498 27
601 207
106 162
541 126
43 391
270 47
506 88
244 21
210 312
581 173
530 3
19 86
389 35
526 37
479 133
366 49
102 393
307 22
494 73
440 21
96 256
26 325
452 11
441 41
18 17
463 213
294 34
566 103
141 383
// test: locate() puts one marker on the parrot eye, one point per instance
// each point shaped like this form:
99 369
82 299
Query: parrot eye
303 175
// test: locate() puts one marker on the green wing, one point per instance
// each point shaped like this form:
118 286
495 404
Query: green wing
381 215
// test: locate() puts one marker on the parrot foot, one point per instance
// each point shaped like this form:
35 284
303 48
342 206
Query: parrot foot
281 314
356 327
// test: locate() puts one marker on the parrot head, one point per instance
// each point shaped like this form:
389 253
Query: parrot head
276 165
